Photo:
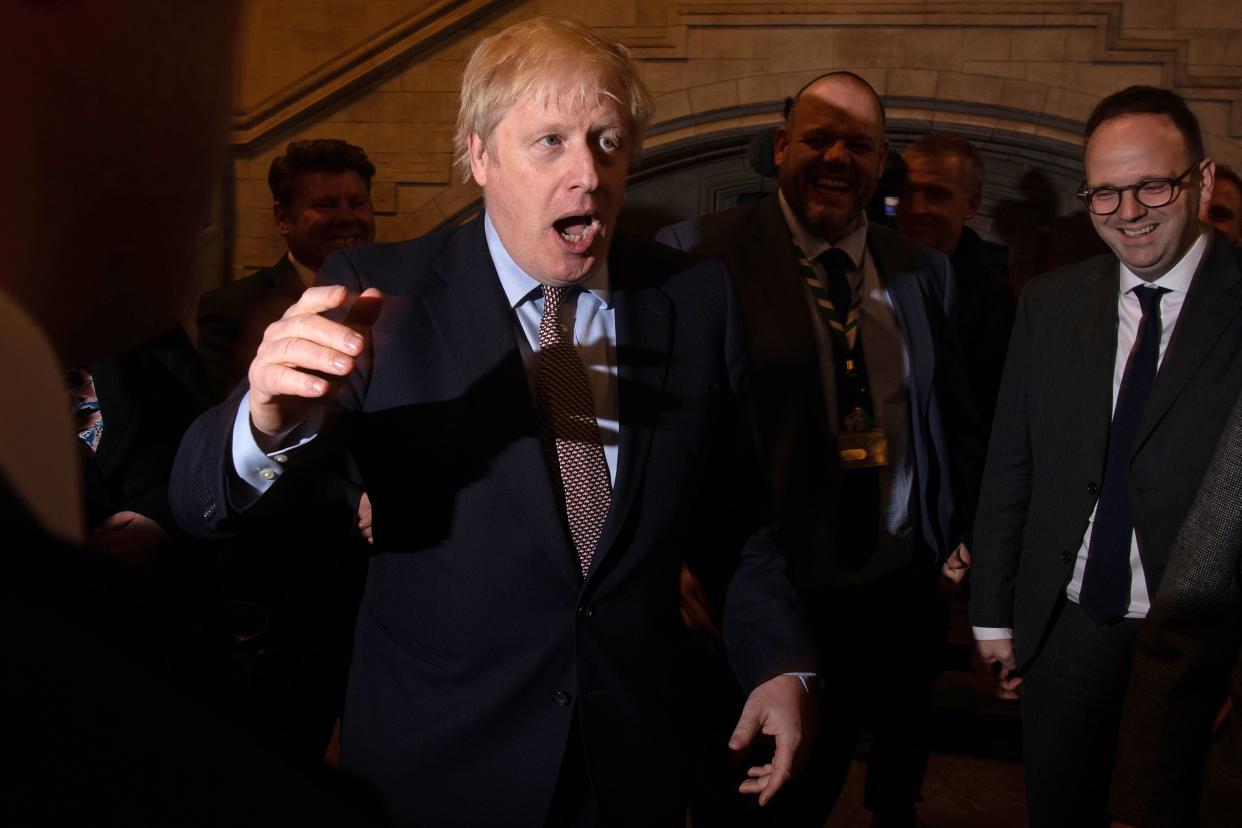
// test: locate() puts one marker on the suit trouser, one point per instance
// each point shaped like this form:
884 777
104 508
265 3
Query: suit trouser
1071 706
881 647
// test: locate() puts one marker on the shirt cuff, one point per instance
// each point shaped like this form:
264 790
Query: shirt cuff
991 633
256 469
807 679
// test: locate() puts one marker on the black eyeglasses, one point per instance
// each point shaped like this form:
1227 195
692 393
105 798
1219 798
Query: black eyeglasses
1150 192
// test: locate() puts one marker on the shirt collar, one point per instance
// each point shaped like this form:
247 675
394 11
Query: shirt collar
1179 276
853 243
520 287
39 455
304 273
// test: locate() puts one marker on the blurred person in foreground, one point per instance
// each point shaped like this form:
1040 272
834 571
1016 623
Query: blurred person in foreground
1120 376
1179 755
123 110
546 420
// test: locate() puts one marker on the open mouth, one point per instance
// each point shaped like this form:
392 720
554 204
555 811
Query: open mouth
577 231
834 184
1138 232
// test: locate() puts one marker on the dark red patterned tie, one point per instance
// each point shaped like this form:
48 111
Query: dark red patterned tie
570 432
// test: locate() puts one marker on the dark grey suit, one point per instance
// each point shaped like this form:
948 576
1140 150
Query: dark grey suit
805 478
1172 768
231 320
1045 461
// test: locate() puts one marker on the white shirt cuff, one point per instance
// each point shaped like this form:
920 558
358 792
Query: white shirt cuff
807 679
991 633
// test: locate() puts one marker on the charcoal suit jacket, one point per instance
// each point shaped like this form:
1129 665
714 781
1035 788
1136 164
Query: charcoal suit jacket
798 438
231 320
478 640
1050 434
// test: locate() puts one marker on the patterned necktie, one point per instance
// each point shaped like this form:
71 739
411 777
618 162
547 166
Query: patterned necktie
841 300
1106 578
570 432
87 418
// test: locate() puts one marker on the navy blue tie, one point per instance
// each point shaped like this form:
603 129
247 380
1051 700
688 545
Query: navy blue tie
1106 580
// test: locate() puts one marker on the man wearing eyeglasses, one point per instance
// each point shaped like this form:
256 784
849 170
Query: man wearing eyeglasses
1120 375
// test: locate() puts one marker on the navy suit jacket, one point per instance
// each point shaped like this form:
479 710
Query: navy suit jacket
478 640
799 442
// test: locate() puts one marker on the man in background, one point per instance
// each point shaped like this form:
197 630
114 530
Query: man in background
321 191
1224 212
943 189
870 445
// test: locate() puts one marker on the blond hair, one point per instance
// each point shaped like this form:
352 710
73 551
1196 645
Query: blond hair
531 58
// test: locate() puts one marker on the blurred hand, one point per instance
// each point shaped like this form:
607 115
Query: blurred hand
128 536
364 517
997 656
780 708
957 564
694 609
298 346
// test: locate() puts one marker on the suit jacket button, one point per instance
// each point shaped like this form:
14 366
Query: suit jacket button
561 698
1066 556
1092 489
586 611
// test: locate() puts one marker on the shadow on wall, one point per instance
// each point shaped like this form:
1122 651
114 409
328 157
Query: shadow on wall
1039 239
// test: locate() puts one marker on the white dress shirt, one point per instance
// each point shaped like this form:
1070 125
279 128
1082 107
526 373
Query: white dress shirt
1129 315
888 372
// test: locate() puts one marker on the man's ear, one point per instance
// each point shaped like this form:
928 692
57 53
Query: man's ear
973 205
780 145
480 160
283 220
1207 180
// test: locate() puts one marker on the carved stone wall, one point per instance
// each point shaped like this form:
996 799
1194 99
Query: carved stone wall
1017 78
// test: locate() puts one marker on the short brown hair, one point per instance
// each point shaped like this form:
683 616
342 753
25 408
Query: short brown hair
1149 100
523 58
330 155
951 145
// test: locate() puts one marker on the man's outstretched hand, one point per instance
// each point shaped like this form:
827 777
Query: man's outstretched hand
299 349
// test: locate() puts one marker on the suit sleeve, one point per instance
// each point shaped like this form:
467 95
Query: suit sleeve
762 618
1006 488
963 428
1184 655
199 493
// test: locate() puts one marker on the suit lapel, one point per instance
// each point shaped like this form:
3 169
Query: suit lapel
910 308
1098 339
473 317
1214 300
284 279
644 324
